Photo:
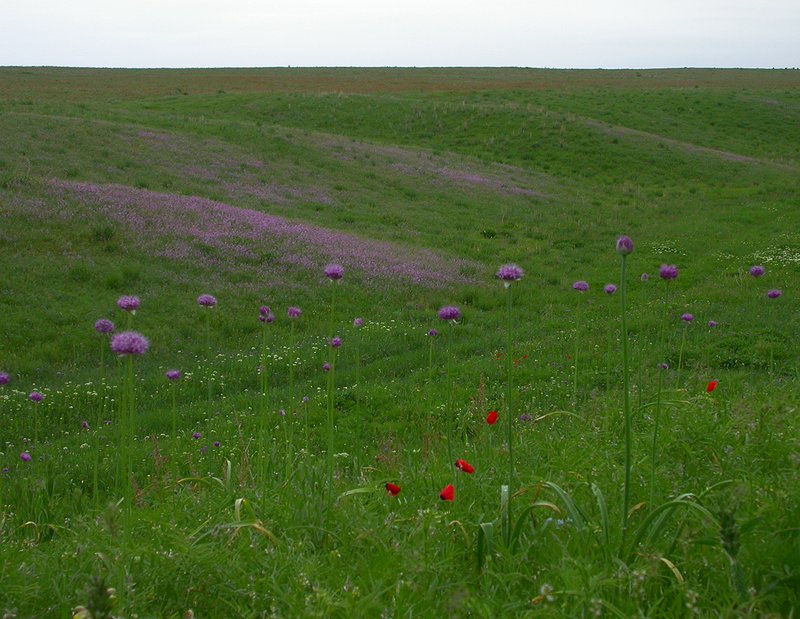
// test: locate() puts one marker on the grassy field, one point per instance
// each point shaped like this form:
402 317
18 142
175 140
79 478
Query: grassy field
255 485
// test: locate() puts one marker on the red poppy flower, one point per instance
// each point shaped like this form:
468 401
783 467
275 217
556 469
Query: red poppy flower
463 465
711 386
392 489
448 494
491 418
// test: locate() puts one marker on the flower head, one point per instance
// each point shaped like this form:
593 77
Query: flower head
668 271
491 418
774 294
463 465
711 386
25 456
128 304
358 322
84 425
510 273
336 341
712 323
35 396
757 270
687 317
645 277
129 343
624 245
610 289
450 312
392 489
448 493
4 378
269 317
580 286
334 272
663 366
104 326
326 367
206 300
173 374
196 435
433 333
217 444
294 312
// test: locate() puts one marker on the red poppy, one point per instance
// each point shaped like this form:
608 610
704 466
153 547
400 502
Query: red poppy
491 418
524 356
711 386
448 494
463 465
392 489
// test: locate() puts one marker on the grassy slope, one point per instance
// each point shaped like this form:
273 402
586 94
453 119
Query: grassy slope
542 168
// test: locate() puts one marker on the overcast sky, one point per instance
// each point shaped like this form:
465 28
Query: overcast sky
556 33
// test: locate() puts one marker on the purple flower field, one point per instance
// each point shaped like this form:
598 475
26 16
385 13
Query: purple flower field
182 228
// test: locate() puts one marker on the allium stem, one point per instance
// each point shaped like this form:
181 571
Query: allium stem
289 418
449 383
263 421
208 354
680 353
654 443
330 394
509 412
575 361
626 407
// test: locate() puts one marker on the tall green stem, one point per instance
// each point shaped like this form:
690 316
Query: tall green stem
509 390
330 394
655 436
449 383
627 408
208 354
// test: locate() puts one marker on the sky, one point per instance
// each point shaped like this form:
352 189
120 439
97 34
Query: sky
522 33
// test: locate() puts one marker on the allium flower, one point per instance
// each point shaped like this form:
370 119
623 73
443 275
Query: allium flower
269 318
217 444
104 326
4 378
392 489
326 367
334 272
663 366
645 277
358 323
449 312
463 465
711 386
25 456
757 270
668 271
129 304
774 294
84 425
510 273
610 289
306 399
173 374
712 323
35 396
129 343
433 333
491 418
336 341
196 435
206 300
580 286
294 312
448 493
264 310
624 245
687 317
525 417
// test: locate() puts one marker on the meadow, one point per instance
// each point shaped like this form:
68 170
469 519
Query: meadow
614 433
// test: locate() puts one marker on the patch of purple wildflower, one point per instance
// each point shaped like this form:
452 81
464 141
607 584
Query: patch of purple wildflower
580 286
206 300
449 312
668 271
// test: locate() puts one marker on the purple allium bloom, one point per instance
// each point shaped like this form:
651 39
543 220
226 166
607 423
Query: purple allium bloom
610 289
358 323
334 272
687 317
4 378
624 245
217 444
757 270
645 277
712 323
35 396
663 366
206 300
336 341
433 333
580 286
173 374
668 271
25 456
104 326
326 367
129 343
5 470
449 312
196 435
264 310
294 312
774 294
525 417
84 425
129 304
510 273
306 399
269 318
203 450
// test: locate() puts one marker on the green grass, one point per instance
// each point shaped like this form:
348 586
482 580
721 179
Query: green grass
461 170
